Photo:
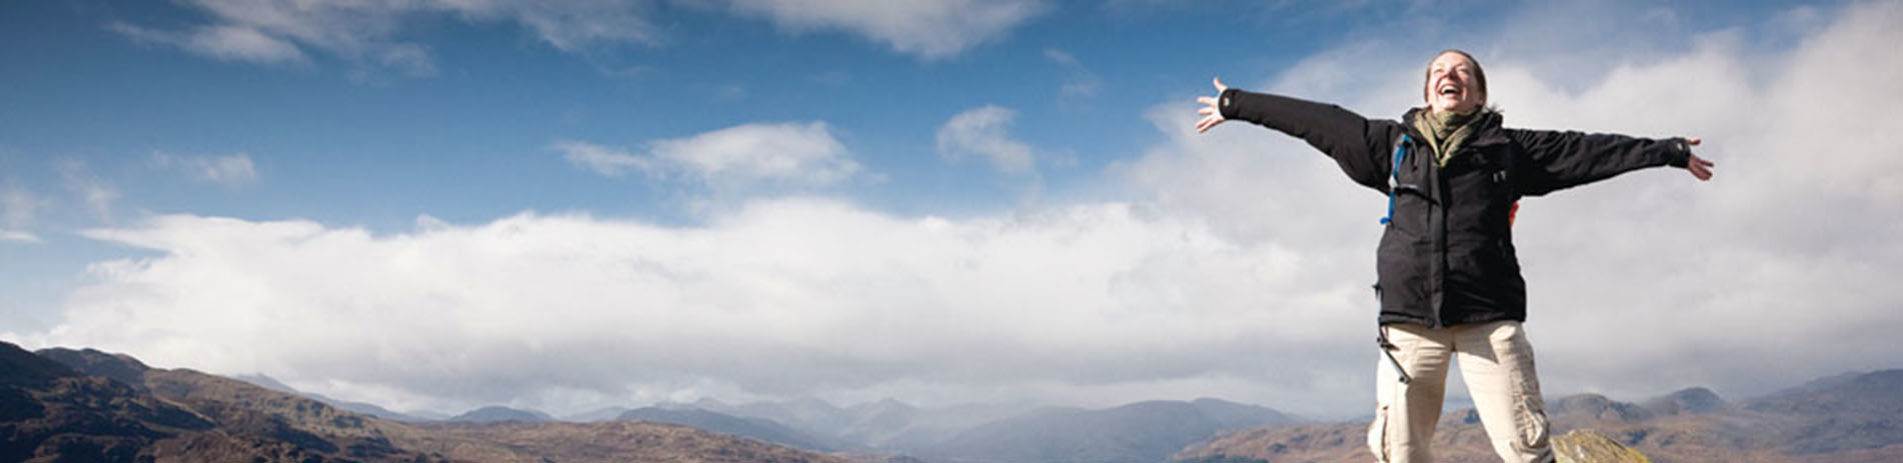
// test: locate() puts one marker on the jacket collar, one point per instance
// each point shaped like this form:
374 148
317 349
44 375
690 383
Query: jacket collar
1487 133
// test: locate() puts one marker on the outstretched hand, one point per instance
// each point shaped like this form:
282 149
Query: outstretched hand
1212 114
1699 167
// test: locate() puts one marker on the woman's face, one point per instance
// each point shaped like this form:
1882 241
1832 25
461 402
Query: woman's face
1451 85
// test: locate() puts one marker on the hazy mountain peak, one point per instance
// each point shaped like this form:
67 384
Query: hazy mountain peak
1864 393
495 413
813 403
1598 407
1694 401
884 406
1235 415
599 414
761 429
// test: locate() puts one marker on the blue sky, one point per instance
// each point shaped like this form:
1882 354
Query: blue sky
142 143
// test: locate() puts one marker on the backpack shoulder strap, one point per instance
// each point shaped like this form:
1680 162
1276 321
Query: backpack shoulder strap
1394 174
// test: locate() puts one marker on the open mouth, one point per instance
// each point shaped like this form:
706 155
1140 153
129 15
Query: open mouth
1450 90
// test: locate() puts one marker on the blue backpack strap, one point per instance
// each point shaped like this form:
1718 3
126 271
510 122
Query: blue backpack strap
1394 178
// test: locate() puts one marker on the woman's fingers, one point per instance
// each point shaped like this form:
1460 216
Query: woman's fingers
1207 122
1693 141
1212 115
1699 167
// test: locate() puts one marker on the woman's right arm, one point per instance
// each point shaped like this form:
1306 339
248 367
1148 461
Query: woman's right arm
1363 147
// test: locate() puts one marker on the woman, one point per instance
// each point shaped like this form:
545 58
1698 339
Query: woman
1449 281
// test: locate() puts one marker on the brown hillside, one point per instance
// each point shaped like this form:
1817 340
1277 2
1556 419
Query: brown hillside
187 416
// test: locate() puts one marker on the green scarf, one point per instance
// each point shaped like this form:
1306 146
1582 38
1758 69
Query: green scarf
1445 131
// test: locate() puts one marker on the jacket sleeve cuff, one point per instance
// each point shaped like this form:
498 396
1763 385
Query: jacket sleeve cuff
1680 152
1225 103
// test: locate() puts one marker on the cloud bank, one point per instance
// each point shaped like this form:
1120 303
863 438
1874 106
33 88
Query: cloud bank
788 297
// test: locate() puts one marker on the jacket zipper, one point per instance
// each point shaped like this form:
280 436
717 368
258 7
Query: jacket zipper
1437 292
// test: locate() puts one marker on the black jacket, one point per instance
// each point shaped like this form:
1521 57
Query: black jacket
1447 256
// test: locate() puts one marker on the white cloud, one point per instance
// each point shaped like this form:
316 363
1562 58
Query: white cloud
733 159
18 236
982 132
572 25
369 34
931 29
1079 81
95 193
233 171
751 153
224 42
18 208
366 33
612 162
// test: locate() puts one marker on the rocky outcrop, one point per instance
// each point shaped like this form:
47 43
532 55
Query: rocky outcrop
1589 446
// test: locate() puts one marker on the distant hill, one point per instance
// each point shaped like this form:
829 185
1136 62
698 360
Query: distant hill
753 428
884 423
357 407
1230 416
1692 401
427 415
1854 418
58 411
1841 413
600 414
1143 432
887 424
495 413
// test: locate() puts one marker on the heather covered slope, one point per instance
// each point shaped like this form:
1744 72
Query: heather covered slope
51 412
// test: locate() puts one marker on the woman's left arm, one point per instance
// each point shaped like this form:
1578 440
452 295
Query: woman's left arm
1565 159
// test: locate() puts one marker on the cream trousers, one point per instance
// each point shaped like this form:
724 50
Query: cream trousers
1497 363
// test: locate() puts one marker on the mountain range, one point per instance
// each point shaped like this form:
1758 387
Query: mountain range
85 405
